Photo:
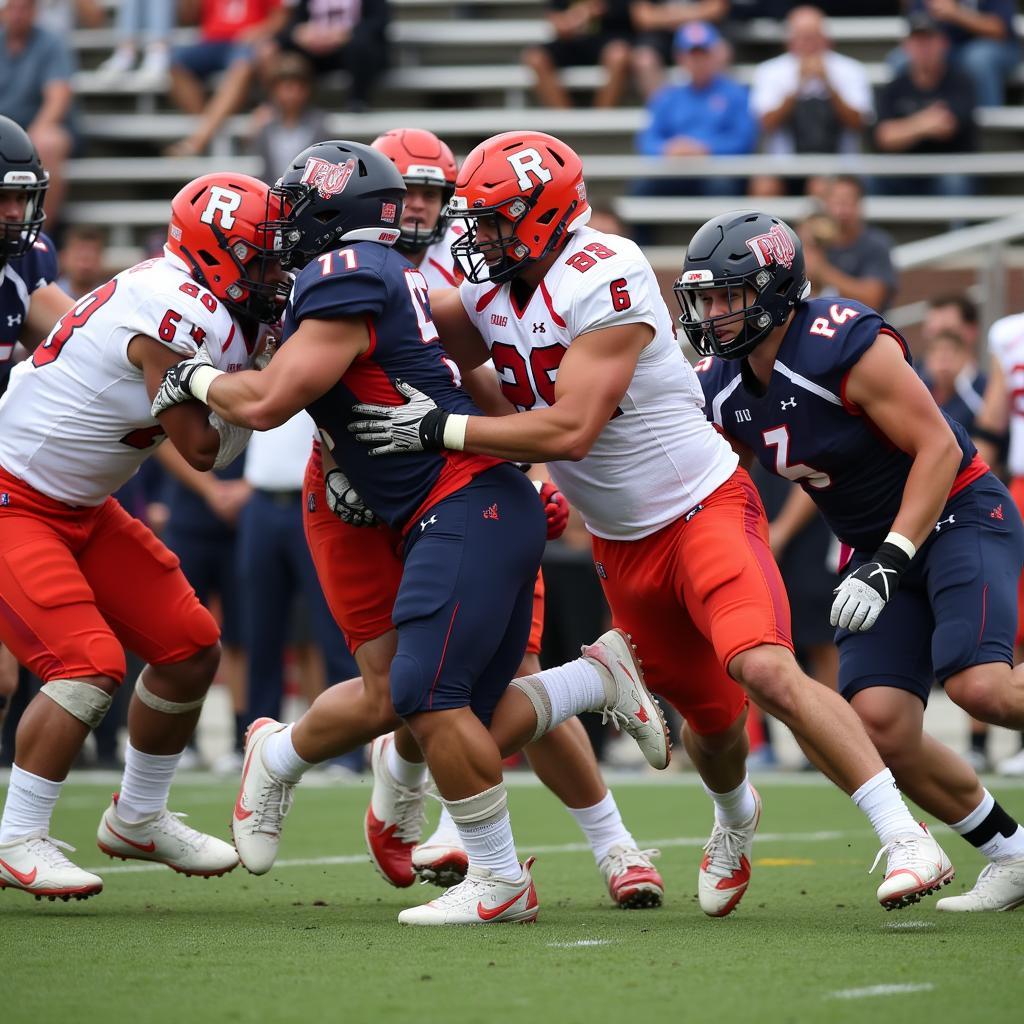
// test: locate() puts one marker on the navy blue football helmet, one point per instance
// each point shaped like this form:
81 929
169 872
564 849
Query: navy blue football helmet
20 171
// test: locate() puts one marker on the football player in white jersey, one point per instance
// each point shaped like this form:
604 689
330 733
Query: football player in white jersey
583 341
79 577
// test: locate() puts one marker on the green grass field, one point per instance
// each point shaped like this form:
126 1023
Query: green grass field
317 940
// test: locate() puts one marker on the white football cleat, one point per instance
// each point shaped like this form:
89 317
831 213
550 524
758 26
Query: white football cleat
481 898
916 866
36 864
163 837
1012 766
725 870
632 709
261 805
394 819
1000 886
633 881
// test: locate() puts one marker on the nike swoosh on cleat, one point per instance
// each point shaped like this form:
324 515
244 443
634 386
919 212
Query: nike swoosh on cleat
144 847
489 915
26 878
240 812
626 670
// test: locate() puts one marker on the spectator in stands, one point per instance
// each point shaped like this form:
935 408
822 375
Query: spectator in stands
845 256
953 377
61 16
288 123
586 32
707 116
927 108
957 313
82 261
35 90
340 35
146 24
230 31
983 40
809 99
655 23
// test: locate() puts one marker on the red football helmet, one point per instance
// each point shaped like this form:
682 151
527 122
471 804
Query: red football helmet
532 184
226 227
422 159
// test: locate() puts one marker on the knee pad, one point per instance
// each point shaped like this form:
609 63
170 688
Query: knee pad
409 685
81 700
166 707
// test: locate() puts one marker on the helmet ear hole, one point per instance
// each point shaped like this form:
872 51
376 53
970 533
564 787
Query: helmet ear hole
548 216
324 216
208 258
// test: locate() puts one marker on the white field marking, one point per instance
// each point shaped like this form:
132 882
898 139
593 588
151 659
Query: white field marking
910 924
579 942
881 990
308 862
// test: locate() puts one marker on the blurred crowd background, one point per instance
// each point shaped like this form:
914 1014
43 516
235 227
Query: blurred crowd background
890 132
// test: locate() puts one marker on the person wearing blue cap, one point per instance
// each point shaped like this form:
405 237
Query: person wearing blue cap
709 115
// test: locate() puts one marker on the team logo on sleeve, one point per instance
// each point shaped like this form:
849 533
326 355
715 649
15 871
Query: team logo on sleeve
327 178
774 247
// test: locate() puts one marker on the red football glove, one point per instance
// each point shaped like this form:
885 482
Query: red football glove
556 508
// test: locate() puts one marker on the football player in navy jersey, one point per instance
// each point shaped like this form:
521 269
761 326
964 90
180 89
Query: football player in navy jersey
473 529
30 301
823 392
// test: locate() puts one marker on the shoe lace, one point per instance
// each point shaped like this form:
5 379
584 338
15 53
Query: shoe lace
618 718
410 816
48 849
273 806
901 852
724 849
621 858
171 823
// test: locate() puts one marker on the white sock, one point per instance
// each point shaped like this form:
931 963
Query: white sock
996 834
406 773
735 807
558 694
446 832
146 784
29 806
602 825
280 758
490 845
881 801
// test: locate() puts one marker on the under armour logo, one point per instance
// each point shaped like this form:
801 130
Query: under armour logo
788 403
311 504
492 512
601 571
540 329
693 511
944 522
5 499
424 523
996 513
13 319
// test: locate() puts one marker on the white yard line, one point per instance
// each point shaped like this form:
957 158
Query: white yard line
882 990
347 859
580 943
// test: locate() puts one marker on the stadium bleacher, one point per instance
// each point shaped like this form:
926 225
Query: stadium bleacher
456 70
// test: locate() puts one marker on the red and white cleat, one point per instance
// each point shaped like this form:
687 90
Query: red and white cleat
394 819
262 803
163 837
36 864
916 866
481 898
633 881
630 706
725 870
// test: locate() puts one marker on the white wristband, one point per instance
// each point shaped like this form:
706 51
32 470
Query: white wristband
202 378
455 432
906 546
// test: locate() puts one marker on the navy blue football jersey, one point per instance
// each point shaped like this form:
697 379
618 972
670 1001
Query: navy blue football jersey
19 278
369 279
801 427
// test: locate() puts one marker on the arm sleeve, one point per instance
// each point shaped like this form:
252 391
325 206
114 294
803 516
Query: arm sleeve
612 293
342 293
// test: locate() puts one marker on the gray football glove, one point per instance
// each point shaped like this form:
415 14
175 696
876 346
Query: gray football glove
233 440
174 388
417 426
344 501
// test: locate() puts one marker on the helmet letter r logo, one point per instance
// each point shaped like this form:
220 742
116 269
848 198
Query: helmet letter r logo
226 202
523 163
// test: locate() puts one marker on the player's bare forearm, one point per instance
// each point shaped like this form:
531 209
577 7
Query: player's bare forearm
47 306
927 490
242 399
542 435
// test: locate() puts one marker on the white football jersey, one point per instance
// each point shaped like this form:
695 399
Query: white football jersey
658 457
75 421
438 266
1006 343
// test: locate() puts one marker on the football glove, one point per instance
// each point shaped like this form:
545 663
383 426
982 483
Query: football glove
233 440
344 501
175 388
556 508
861 597
417 426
